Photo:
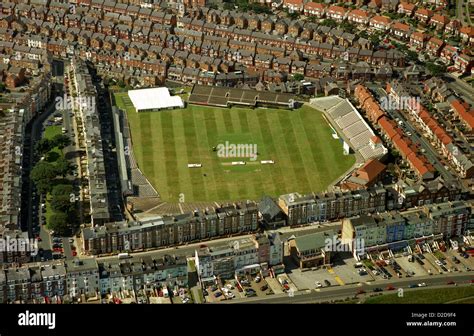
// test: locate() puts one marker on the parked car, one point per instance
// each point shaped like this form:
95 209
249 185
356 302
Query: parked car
264 288
318 284
250 292
378 289
422 284
327 283
218 294
390 288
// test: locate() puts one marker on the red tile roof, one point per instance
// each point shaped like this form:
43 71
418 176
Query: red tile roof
469 31
424 12
314 6
389 127
293 2
440 18
359 13
381 19
464 114
407 6
401 26
370 170
337 9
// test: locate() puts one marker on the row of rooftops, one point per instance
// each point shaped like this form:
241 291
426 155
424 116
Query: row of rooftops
48 270
92 133
295 199
412 216
236 210
11 132
139 265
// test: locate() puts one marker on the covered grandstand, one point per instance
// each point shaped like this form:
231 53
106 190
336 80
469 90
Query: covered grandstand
227 97
348 122
154 99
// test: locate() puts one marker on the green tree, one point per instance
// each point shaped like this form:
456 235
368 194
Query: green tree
63 167
329 23
62 198
61 141
228 6
43 146
298 77
42 174
364 34
412 55
435 69
58 222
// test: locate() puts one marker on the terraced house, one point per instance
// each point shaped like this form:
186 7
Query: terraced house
394 231
171 230
302 209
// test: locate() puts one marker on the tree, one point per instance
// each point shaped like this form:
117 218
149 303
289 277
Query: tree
435 69
42 174
293 15
329 23
412 55
347 27
43 146
61 141
364 34
228 6
58 222
63 167
63 198
298 77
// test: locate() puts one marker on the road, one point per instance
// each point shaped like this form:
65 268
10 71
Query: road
461 87
341 292
35 135
461 13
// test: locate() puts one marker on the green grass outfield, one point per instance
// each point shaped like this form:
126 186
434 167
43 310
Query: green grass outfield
306 156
